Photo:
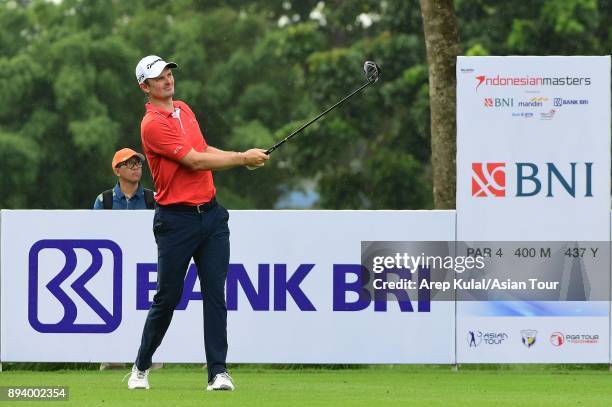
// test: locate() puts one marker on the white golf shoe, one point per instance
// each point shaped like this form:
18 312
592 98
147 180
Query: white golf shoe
221 381
138 379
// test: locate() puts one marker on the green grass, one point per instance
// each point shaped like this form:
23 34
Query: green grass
522 385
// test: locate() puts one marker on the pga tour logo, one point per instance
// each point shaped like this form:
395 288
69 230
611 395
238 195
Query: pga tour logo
529 179
59 299
557 339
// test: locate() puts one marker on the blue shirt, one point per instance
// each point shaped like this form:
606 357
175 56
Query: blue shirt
120 201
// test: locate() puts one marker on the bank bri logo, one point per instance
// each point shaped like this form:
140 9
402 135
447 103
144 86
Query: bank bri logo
67 324
531 179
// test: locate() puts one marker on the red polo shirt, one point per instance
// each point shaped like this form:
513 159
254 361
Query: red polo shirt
166 138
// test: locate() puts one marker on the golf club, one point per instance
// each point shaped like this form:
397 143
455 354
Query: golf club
372 72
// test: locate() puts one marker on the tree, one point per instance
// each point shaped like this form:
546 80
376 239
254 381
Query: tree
442 42
253 71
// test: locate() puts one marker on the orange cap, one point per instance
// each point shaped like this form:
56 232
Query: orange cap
125 154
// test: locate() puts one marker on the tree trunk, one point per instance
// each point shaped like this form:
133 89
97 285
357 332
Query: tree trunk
442 42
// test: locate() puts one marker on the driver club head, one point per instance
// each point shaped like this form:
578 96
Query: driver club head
372 71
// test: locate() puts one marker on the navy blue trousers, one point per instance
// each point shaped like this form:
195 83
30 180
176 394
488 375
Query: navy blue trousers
181 236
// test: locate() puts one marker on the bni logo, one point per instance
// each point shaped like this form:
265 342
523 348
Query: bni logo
499 102
52 263
489 179
527 179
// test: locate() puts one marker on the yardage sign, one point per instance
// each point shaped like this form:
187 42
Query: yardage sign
533 164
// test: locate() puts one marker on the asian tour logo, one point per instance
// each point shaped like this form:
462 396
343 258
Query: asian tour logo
489 179
475 338
52 263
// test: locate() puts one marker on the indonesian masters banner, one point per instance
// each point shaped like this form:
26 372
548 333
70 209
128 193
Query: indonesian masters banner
533 164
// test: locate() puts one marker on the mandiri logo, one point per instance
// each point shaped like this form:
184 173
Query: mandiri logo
489 179
41 270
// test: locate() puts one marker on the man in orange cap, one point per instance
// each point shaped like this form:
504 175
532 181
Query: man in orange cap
128 193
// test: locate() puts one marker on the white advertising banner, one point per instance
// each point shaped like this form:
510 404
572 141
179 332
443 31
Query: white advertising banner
76 286
533 164
533 148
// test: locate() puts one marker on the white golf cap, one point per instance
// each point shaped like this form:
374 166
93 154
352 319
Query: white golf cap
151 67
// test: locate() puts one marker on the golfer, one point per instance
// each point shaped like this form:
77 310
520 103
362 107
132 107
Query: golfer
188 221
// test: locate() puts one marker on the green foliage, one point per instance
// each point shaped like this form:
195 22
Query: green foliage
477 50
253 72
536 27
19 158
329 385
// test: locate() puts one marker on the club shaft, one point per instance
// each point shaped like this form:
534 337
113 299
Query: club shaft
275 146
